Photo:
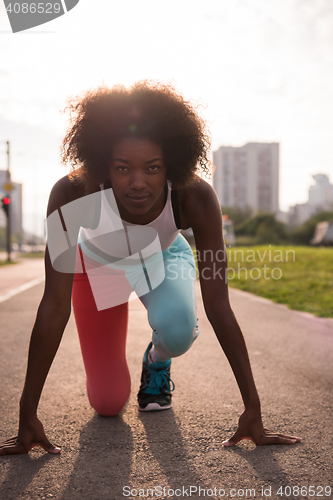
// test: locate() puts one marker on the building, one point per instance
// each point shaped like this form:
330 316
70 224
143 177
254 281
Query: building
16 204
301 212
321 194
248 176
320 198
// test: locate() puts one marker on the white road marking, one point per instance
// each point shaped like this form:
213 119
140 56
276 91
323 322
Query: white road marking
21 288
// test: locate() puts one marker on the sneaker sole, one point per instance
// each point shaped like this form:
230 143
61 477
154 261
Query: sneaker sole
155 407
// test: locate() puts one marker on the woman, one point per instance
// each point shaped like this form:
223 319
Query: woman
133 186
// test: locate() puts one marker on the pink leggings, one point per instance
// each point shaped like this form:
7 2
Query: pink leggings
103 349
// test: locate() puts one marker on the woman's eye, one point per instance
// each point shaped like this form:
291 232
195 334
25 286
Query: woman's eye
154 168
121 168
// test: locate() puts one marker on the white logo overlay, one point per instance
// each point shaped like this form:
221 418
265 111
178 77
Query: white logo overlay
25 14
119 259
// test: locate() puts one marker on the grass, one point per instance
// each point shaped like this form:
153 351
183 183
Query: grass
27 255
300 277
32 255
6 263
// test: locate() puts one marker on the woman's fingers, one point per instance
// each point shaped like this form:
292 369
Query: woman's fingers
12 446
238 436
47 446
281 438
9 441
230 442
270 433
17 449
268 437
275 439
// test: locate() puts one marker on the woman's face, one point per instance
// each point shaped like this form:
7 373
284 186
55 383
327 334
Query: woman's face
138 176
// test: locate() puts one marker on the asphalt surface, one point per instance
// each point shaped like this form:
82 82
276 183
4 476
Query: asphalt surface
19 276
136 455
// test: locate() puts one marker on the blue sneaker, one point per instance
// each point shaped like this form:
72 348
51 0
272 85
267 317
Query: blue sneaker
155 392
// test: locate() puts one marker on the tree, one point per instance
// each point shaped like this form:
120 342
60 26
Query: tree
264 228
237 214
303 234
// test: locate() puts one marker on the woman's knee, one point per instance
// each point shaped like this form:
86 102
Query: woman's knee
176 332
109 409
109 405
108 394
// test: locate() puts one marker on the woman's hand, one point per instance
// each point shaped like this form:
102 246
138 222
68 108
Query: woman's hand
31 434
250 427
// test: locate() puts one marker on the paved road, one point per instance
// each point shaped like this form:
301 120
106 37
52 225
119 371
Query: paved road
292 358
21 275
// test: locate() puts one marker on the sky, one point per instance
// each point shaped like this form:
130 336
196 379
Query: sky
258 70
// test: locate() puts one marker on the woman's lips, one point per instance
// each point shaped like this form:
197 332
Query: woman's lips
139 199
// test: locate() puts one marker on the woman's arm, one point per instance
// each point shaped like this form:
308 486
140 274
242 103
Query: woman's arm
201 211
52 316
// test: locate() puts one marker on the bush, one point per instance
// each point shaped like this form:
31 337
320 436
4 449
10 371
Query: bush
237 214
264 228
304 233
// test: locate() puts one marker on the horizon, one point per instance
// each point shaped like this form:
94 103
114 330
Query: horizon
259 71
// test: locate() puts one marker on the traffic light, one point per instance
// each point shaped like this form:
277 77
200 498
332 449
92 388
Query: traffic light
5 205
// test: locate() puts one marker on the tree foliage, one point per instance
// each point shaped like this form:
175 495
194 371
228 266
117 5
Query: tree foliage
237 214
304 233
264 228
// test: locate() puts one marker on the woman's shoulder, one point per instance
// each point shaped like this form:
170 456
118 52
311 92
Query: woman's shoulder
197 190
195 200
64 191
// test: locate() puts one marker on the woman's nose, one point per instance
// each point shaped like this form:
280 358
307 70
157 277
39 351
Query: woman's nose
138 181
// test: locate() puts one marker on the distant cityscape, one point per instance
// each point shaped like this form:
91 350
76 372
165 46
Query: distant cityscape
320 198
245 177
248 177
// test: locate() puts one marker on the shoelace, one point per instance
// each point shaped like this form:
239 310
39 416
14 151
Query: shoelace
158 378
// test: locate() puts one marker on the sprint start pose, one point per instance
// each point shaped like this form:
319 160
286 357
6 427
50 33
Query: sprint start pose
113 228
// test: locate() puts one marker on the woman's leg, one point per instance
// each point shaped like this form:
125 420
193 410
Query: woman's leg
172 315
102 337
172 305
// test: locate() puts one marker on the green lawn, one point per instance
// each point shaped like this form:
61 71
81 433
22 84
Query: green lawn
29 255
300 277
6 263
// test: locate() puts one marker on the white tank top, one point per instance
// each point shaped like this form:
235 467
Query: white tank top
111 237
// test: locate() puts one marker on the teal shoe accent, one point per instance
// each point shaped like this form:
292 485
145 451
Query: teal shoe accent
155 391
